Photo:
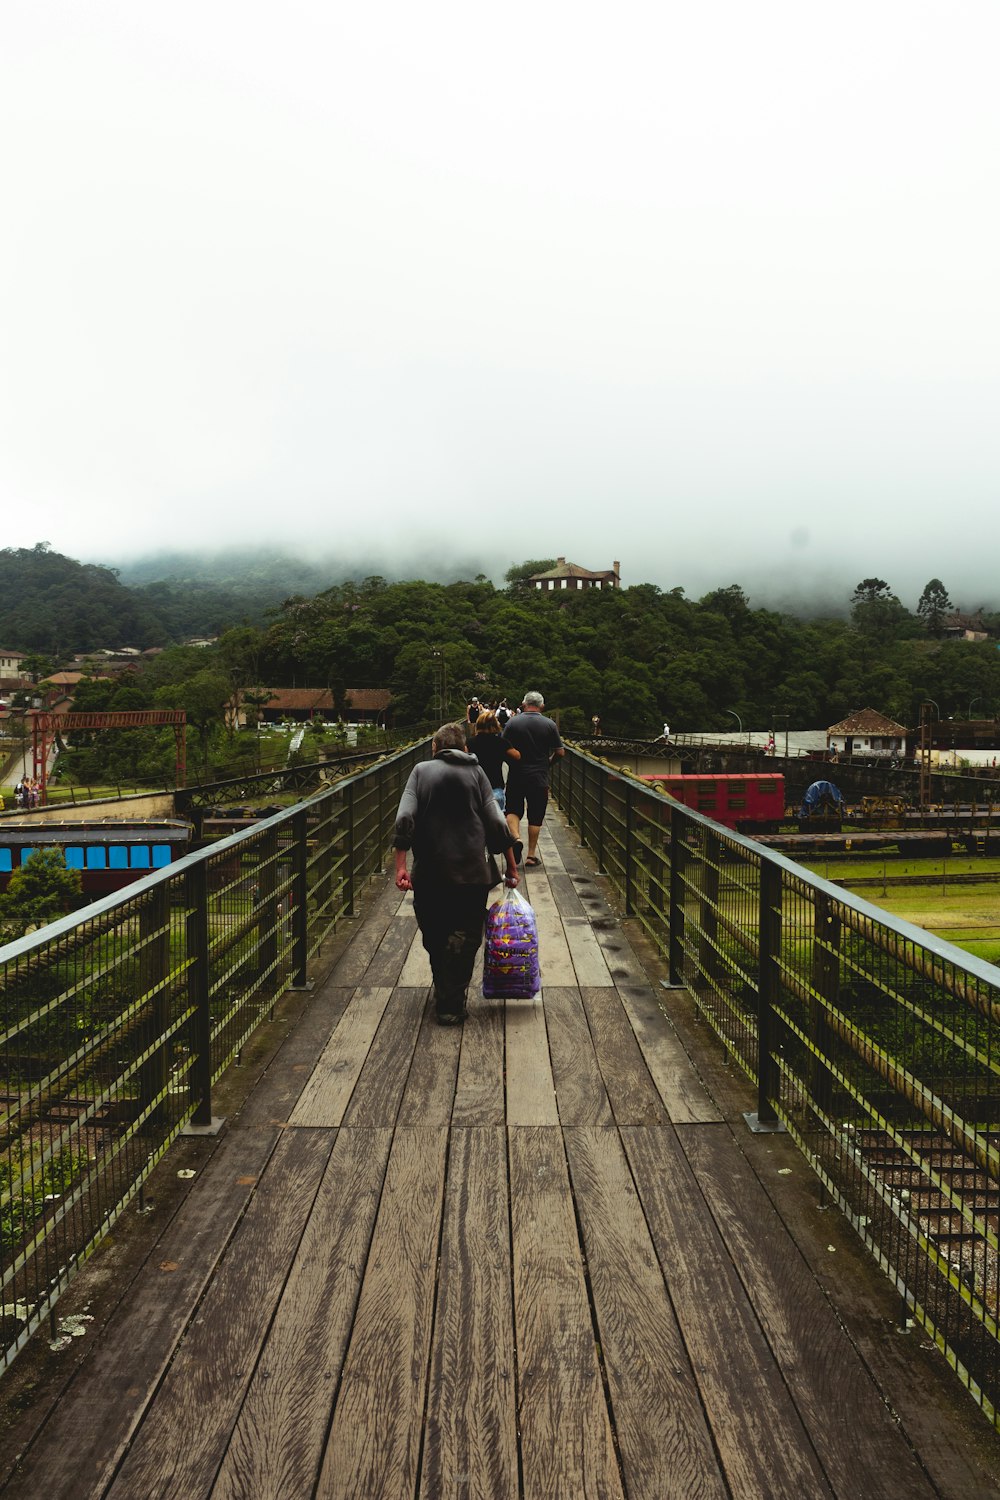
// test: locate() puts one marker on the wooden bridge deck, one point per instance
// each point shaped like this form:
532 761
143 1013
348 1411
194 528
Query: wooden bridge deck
538 1257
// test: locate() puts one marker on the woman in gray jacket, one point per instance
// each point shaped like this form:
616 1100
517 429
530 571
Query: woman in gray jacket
449 818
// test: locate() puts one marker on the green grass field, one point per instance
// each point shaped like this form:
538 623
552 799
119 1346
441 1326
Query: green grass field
966 915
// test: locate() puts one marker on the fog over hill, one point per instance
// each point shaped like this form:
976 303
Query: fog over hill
807 592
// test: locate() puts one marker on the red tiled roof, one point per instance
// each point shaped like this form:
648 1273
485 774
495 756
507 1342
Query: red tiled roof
572 570
320 700
867 721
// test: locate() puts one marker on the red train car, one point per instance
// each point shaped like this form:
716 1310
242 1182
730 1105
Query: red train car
749 804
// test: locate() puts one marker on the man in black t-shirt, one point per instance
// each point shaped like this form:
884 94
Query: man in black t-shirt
532 743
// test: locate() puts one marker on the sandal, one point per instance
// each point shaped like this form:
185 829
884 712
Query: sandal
532 862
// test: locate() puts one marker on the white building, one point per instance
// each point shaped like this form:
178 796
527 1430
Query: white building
867 733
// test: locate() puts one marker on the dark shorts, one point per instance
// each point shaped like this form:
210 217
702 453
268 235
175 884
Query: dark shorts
534 794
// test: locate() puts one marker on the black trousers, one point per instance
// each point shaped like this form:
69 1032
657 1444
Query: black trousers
451 920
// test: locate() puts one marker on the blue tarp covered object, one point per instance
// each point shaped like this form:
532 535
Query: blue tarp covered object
822 795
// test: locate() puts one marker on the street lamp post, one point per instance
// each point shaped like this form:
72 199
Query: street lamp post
976 699
733 714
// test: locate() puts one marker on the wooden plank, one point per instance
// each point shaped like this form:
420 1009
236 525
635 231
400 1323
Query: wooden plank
685 1096
350 969
631 1092
278 1440
567 1446
531 1094
105 1402
830 1385
580 1091
375 1436
619 955
589 962
470 1444
417 968
663 1438
579 888
563 888
763 1445
180 1445
479 1089
553 949
328 1092
957 1446
379 1089
387 962
548 849
676 1079
429 1095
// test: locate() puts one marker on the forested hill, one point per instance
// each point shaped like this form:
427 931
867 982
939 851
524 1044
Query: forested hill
53 604
635 656
58 606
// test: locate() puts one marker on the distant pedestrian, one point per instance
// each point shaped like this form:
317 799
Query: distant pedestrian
487 746
532 742
595 726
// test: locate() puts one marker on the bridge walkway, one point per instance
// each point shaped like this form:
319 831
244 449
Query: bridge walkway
539 1256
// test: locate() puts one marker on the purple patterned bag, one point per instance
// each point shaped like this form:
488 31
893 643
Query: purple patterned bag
510 961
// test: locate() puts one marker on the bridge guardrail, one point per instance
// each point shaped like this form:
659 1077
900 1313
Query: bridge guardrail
876 1045
118 1019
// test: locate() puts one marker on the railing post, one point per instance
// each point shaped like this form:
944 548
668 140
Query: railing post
382 830
768 988
601 782
677 854
154 965
200 1075
266 899
708 921
325 834
349 840
299 901
826 983
585 769
629 852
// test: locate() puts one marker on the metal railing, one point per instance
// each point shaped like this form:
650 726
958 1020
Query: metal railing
118 1019
876 1045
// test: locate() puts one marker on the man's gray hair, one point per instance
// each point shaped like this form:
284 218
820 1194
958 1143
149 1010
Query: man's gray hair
534 700
449 737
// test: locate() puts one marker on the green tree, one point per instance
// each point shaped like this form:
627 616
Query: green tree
42 888
933 605
516 577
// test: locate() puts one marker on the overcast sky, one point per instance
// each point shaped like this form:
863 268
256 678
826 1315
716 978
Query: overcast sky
707 288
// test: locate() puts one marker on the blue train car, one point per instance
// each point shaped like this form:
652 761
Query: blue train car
108 854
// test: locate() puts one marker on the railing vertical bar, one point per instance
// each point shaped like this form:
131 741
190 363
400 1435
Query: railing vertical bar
200 1074
629 851
299 900
769 938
